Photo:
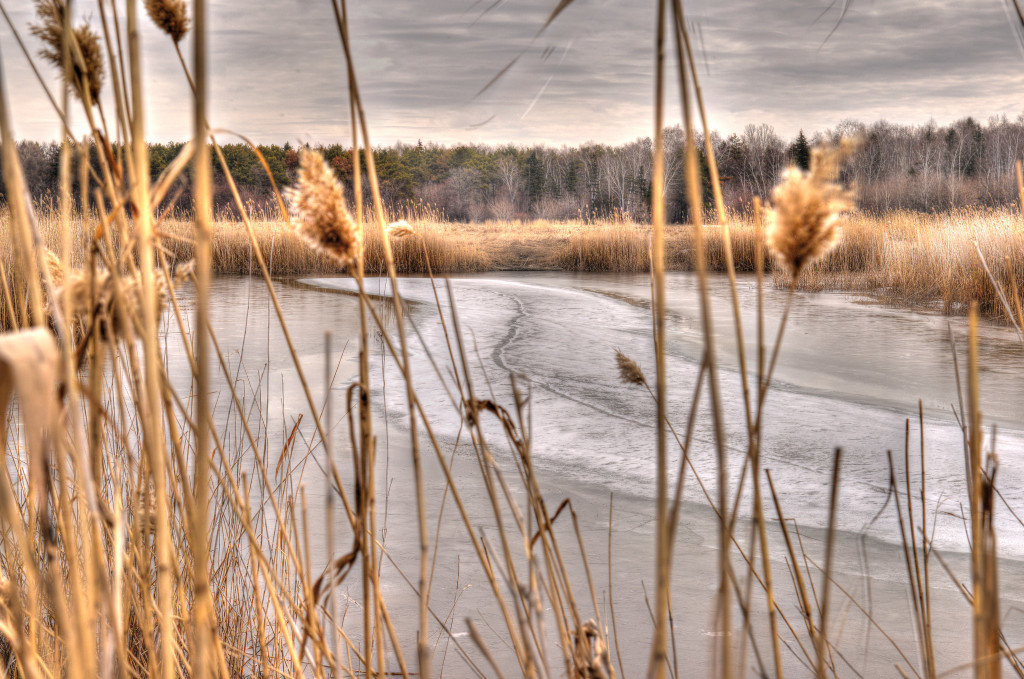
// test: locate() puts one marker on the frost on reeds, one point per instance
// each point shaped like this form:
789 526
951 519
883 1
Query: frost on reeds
629 370
170 16
319 213
86 61
803 222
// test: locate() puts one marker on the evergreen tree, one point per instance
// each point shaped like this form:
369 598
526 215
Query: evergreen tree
800 152
534 171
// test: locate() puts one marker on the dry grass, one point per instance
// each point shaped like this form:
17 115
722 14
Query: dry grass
929 260
287 255
904 258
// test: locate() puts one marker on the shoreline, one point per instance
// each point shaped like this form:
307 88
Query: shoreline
862 292
904 259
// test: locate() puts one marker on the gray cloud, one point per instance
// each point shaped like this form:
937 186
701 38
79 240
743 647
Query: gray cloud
278 72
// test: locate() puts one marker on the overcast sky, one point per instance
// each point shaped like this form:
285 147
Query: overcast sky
278 71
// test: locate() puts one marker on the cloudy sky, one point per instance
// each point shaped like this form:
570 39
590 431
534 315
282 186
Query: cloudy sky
278 72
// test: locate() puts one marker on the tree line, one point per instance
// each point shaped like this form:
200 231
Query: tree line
916 167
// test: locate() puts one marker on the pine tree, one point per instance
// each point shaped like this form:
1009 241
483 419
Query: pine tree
800 152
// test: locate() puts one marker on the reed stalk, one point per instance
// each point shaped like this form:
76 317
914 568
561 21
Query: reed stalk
203 616
658 667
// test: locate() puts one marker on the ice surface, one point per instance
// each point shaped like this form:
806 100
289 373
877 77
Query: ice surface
850 375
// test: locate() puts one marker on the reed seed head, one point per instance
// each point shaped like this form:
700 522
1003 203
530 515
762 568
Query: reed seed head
319 213
87 69
54 267
184 271
590 658
170 16
629 370
400 229
803 222
97 302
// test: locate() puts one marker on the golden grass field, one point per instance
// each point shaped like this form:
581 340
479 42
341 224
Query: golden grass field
903 258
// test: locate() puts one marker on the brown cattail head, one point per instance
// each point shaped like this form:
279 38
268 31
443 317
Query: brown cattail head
87 68
318 211
170 16
629 371
803 222
400 229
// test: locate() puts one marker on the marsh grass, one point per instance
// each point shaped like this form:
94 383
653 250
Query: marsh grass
903 258
287 255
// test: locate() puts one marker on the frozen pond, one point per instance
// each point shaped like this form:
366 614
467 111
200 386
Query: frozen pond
849 375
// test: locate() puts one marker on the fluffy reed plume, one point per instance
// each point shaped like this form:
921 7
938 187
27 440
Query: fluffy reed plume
112 315
170 16
400 229
629 371
591 659
319 213
87 71
803 223
184 272
54 267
